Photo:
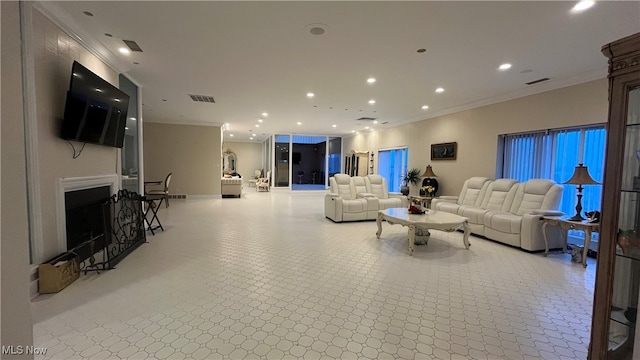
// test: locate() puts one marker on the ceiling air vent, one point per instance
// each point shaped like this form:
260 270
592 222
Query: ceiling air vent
132 45
202 98
365 119
537 81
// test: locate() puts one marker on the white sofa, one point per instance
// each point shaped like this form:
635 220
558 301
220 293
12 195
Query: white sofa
507 211
231 187
359 198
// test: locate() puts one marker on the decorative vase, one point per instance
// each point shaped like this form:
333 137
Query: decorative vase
629 242
404 190
431 182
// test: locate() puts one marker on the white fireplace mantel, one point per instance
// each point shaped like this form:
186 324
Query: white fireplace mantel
78 183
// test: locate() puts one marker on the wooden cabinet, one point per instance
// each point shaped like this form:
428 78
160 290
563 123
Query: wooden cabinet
357 163
614 324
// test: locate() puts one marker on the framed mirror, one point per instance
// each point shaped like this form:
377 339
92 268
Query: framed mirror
229 162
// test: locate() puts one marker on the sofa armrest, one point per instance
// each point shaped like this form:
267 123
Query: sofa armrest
547 213
333 207
448 198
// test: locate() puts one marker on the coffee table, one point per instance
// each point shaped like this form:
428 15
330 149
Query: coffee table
432 219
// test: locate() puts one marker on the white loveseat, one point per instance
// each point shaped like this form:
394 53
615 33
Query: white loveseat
359 198
507 211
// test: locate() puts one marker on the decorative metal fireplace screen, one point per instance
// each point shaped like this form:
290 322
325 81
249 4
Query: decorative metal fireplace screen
124 232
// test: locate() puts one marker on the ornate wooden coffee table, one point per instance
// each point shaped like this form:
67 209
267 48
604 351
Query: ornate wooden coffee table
436 220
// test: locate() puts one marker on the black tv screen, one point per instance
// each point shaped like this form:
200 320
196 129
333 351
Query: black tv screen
95 111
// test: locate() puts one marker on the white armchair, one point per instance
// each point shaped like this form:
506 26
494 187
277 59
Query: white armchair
264 183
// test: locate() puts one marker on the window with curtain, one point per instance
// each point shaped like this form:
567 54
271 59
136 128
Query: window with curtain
392 165
554 154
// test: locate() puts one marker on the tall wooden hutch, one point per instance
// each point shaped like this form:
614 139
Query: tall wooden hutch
614 333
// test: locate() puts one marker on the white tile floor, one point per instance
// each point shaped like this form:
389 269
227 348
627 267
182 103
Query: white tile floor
268 277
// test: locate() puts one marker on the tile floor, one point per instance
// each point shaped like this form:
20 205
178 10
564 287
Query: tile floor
268 277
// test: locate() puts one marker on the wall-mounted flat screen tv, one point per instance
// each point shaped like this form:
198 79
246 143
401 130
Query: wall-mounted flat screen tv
95 111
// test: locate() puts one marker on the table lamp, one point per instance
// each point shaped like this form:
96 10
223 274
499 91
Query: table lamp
429 179
580 177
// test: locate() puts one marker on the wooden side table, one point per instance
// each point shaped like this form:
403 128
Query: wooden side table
424 200
566 225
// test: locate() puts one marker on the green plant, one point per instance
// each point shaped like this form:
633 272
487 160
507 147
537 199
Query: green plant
412 177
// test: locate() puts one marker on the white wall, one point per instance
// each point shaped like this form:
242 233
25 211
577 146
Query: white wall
192 153
249 157
476 131
54 53
15 309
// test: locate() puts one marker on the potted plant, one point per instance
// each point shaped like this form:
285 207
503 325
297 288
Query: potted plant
411 177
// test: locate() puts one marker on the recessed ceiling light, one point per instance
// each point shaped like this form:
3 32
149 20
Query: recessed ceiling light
136 63
366 127
334 125
116 100
299 123
421 50
371 80
231 135
353 131
98 90
124 50
505 66
371 102
265 114
257 125
439 90
134 119
583 5
126 128
108 35
375 121
87 13
425 107
310 95
260 120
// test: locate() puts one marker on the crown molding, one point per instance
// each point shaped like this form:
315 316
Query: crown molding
52 11
187 122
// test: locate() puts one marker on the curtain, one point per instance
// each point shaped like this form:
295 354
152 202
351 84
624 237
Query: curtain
392 165
554 155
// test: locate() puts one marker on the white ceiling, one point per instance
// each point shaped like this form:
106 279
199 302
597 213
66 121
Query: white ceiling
256 57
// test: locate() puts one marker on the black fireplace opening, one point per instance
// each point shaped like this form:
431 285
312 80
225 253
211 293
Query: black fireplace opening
87 216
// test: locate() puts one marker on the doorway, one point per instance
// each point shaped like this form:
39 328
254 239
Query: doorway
308 158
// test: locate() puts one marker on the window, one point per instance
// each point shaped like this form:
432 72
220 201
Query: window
554 154
392 165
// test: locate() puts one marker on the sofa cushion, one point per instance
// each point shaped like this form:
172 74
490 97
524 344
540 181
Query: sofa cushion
377 185
359 184
341 185
475 215
448 207
500 194
473 191
355 205
502 221
536 194
389 203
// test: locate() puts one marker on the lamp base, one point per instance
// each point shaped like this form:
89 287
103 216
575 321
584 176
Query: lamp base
576 217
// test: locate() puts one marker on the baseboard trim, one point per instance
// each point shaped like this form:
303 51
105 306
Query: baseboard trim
204 197
33 282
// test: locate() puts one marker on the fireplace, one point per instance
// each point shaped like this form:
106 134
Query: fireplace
74 184
86 218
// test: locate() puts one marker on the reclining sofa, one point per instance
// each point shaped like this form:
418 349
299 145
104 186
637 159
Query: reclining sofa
359 198
507 211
